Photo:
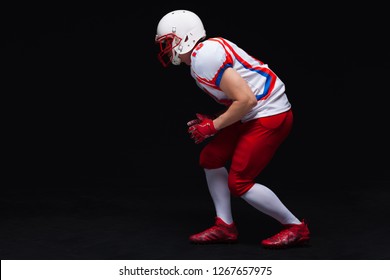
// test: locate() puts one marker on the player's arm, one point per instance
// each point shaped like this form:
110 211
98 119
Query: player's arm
236 88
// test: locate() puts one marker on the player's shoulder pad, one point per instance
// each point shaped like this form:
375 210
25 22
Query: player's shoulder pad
207 58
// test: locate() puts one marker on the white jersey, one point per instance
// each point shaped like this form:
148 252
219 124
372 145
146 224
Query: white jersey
213 56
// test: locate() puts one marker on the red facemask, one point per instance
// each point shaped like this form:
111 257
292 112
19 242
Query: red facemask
166 45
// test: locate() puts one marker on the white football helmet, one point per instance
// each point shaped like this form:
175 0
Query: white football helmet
177 33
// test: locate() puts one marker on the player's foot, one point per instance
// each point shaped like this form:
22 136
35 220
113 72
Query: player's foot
220 232
292 235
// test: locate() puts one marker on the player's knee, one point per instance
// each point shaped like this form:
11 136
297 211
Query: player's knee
238 186
208 160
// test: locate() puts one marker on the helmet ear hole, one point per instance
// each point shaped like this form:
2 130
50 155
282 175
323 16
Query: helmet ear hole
186 39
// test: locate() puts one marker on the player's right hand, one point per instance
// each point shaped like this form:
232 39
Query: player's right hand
200 131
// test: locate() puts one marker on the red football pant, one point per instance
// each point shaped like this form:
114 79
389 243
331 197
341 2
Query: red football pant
250 146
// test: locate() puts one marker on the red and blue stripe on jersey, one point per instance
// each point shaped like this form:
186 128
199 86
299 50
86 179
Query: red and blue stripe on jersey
232 56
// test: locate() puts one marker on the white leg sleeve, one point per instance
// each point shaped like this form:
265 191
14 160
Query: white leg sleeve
265 200
217 181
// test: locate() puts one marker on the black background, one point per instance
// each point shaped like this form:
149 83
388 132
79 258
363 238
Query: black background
92 120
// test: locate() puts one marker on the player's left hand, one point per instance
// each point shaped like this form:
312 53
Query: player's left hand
200 117
200 131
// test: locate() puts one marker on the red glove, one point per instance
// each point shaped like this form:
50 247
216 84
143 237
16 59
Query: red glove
201 129
200 118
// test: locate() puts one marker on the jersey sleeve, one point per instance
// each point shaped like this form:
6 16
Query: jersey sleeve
209 61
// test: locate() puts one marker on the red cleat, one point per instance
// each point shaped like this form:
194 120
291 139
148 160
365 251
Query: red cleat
292 235
219 233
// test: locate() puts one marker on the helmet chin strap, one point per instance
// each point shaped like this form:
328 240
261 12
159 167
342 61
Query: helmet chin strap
175 58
